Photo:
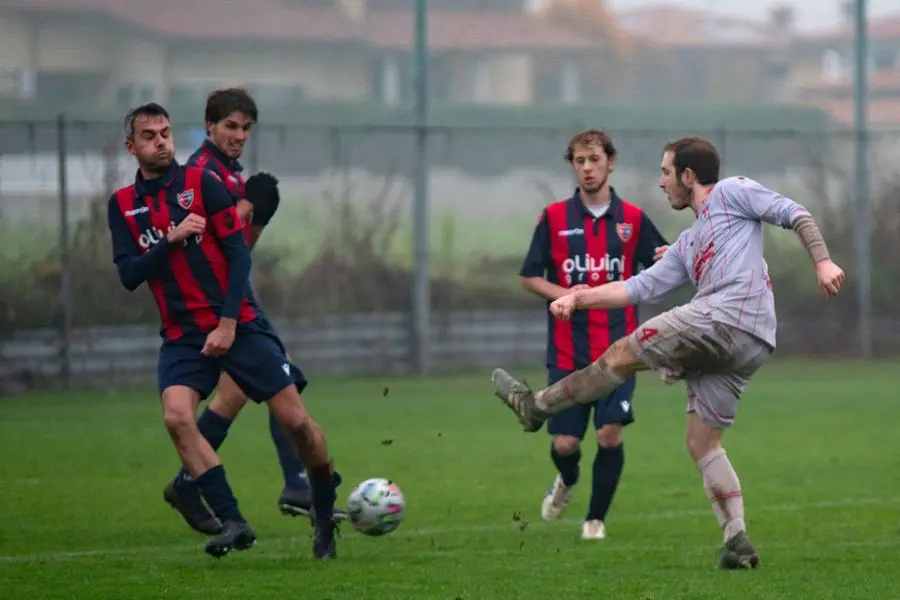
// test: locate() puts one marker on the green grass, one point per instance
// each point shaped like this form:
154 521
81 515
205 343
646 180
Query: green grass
81 513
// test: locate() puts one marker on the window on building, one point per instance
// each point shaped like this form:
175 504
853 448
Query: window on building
570 84
832 66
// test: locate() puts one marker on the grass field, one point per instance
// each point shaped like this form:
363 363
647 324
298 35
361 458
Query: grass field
81 511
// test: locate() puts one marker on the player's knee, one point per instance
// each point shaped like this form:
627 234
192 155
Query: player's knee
178 421
566 445
609 436
620 356
291 413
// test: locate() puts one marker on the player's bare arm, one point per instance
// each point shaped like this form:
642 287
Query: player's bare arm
547 290
830 276
610 295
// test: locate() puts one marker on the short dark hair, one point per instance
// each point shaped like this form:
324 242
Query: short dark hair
221 103
697 154
150 109
589 137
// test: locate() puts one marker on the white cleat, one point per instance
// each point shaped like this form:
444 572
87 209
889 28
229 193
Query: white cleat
593 530
556 500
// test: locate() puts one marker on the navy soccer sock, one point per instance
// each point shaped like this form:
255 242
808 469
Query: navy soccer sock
608 465
213 427
566 465
324 496
218 495
291 465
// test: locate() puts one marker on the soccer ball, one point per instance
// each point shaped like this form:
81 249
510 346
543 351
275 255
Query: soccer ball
376 506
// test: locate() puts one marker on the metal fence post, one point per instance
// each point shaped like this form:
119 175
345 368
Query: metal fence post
862 213
421 300
65 296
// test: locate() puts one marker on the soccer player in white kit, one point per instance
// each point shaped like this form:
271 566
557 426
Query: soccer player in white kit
716 342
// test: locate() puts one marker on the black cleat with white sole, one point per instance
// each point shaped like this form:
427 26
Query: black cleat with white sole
298 503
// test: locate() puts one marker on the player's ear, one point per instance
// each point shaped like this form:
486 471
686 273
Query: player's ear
612 163
129 145
688 177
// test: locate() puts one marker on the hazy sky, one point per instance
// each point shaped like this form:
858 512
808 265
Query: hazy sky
810 13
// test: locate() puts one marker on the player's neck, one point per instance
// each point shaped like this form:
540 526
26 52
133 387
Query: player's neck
151 174
698 196
599 198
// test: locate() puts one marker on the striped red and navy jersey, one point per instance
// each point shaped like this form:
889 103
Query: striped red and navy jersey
209 156
195 282
571 246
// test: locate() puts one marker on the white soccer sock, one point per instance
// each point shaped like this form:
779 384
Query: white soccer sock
723 488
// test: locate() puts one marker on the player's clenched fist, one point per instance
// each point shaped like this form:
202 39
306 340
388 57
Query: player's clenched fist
220 339
191 225
830 277
562 308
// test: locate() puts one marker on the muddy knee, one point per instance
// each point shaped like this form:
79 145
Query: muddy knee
620 358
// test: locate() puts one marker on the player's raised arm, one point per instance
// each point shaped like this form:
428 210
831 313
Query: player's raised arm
667 274
757 201
228 229
133 267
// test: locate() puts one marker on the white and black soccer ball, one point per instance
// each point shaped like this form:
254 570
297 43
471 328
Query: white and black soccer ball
376 506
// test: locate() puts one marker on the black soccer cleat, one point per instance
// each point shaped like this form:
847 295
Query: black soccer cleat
295 503
234 536
738 553
187 501
324 542
298 503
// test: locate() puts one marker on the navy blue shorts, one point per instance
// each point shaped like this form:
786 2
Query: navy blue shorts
257 361
615 408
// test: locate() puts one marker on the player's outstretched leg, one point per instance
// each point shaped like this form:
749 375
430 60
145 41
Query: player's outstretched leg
309 441
179 407
597 380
